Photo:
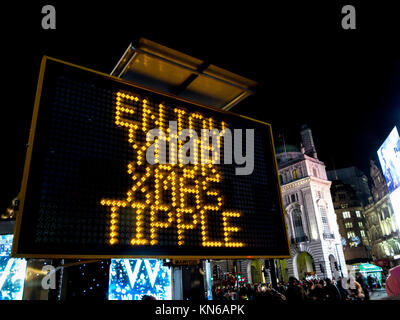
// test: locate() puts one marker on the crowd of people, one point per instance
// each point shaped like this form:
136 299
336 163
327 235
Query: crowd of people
247 292
299 290
295 290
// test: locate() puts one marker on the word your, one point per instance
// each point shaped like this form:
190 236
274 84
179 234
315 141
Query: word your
49 20
169 196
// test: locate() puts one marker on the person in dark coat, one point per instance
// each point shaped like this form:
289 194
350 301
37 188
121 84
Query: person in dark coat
250 291
317 292
343 292
294 292
197 283
331 291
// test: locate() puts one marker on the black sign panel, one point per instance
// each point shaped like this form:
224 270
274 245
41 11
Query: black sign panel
90 188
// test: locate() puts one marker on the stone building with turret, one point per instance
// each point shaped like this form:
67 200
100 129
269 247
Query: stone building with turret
316 249
310 216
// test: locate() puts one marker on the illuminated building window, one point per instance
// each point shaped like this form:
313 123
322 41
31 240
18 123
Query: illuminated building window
386 213
362 232
349 225
387 249
360 224
397 248
298 224
358 214
350 234
295 174
324 218
346 214
300 172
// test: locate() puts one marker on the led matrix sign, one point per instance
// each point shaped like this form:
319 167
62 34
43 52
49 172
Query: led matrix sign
90 188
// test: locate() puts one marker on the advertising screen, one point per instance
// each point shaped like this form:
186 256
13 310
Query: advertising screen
389 158
117 170
131 279
395 200
12 271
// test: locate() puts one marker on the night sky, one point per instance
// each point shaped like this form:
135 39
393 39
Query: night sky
344 84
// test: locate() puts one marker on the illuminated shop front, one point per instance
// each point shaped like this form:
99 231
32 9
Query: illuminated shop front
131 279
369 270
12 271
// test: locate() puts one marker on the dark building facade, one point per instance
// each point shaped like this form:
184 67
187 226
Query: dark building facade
354 177
352 223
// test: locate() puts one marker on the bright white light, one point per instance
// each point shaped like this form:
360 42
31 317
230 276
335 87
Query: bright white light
12 271
395 199
389 158
130 279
